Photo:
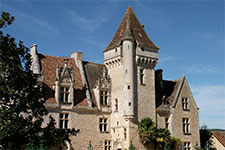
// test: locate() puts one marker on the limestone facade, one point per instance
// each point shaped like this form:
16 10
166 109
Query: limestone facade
106 101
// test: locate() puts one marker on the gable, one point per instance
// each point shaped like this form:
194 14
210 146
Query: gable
48 66
184 91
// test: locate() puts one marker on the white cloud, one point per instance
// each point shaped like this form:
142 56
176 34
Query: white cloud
85 23
36 24
211 102
166 59
201 69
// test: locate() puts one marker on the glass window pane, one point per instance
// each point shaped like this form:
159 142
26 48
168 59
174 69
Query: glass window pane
66 124
105 127
60 116
101 100
61 124
66 98
61 97
106 98
100 127
66 116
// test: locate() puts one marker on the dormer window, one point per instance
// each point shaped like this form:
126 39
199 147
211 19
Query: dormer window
104 97
64 95
64 86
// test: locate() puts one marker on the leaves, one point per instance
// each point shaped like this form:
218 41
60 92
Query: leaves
21 99
149 133
6 19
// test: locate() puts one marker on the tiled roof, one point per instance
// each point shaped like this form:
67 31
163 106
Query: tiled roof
93 72
48 65
220 135
138 31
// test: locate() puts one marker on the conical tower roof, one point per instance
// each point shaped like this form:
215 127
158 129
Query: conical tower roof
137 30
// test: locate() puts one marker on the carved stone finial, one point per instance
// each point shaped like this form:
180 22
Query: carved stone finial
66 60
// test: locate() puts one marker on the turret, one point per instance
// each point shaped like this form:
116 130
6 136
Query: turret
35 66
128 45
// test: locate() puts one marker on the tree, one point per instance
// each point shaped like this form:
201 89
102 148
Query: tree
21 100
205 138
148 133
146 130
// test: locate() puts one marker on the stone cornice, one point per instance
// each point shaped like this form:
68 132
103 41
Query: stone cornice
146 60
114 62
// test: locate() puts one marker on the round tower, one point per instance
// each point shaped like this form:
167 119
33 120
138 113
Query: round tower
128 45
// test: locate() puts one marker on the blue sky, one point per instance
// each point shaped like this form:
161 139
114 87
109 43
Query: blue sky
190 35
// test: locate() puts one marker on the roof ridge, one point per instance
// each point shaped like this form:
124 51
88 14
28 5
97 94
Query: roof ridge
55 56
139 33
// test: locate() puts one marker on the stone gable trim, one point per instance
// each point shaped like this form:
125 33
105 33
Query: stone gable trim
178 91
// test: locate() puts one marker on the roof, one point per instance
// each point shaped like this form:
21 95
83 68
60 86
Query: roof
220 136
48 66
138 32
167 92
93 72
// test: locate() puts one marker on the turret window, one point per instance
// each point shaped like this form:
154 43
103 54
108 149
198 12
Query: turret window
64 95
141 76
125 133
116 104
104 97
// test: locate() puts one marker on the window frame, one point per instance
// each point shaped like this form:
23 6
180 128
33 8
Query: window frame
166 122
186 125
125 133
141 76
64 120
103 125
185 104
64 93
107 144
187 145
104 96
116 105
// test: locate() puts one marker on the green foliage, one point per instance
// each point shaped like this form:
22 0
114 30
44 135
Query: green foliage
6 19
175 143
131 147
205 138
149 133
146 130
21 100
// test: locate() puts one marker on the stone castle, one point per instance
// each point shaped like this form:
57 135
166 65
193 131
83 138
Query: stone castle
106 101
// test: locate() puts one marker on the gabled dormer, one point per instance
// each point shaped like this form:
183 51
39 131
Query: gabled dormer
64 84
102 92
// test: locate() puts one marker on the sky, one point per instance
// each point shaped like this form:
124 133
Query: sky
189 33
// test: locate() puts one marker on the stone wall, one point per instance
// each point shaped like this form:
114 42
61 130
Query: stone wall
178 113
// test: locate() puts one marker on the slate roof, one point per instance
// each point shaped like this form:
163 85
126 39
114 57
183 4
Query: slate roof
138 31
93 71
220 135
48 66
166 91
